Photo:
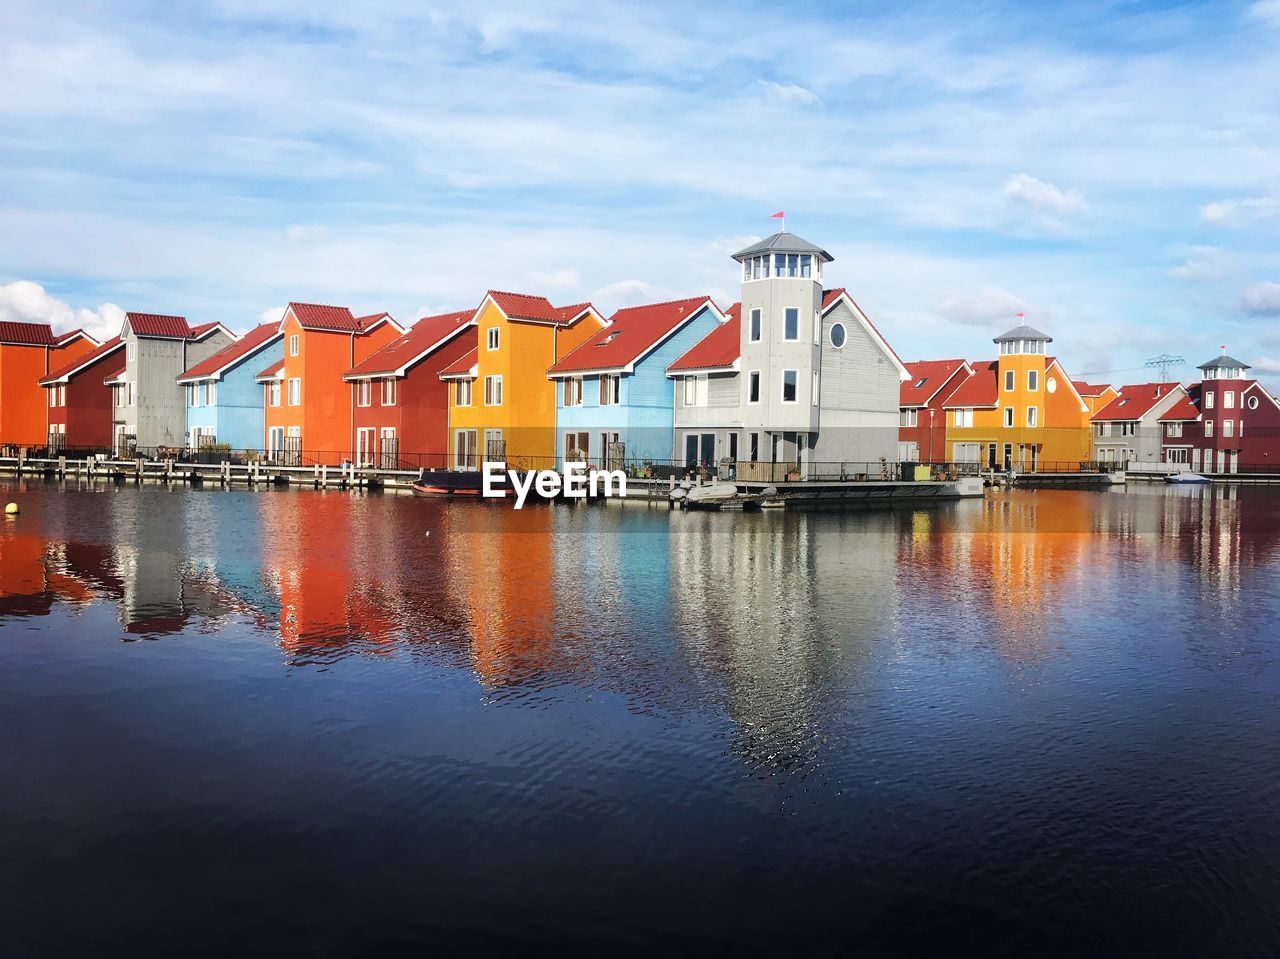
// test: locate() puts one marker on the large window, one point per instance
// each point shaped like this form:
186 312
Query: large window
908 417
573 391
1173 429
755 326
962 418
295 392
789 380
791 324
462 393
389 391
493 391
1228 399
753 386
695 390
610 389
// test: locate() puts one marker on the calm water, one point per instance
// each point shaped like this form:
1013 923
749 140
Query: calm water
297 723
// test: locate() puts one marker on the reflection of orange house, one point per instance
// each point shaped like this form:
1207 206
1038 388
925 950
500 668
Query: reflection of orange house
308 404
29 584
29 351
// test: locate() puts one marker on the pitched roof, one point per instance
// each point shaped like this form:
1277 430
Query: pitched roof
318 316
159 326
1135 402
1090 389
111 377
69 370
927 377
65 338
213 367
1184 409
783 242
522 306
272 371
829 299
719 349
630 334
422 338
26 334
204 329
1223 361
462 366
979 390
1023 332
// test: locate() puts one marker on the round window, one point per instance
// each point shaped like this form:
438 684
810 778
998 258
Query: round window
1051 385
1253 402
837 335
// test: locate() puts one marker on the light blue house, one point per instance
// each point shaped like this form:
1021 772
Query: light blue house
614 402
225 403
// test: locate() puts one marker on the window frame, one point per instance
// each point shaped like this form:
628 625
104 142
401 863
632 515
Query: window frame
492 339
493 389
795 385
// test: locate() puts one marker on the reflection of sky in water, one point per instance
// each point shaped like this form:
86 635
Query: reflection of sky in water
1009 706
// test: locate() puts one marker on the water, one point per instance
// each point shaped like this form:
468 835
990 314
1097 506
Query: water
295 723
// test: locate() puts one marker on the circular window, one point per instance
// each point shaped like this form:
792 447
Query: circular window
1253 402
1051 385
837 335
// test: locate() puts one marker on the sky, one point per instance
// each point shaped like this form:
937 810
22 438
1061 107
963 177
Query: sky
1112 170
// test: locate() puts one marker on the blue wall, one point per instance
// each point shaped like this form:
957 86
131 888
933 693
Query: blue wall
645 415
237 416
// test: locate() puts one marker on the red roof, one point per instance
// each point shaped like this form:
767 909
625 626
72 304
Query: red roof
422 337
241 348
978 390
719 349
927 377
70 335
522 306
1089 389
1135 402
462 365
1184 409
631 333
271 370
81 362
316 316
203 328
113 376
159 325
830 296
26 334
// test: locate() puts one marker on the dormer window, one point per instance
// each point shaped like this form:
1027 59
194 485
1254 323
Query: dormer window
921 382
608 339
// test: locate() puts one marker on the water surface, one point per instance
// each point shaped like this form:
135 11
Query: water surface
320 723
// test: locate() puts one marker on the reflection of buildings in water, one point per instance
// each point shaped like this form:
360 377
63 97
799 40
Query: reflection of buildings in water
31 578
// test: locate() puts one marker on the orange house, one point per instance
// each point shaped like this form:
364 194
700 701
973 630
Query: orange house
29 351
309 407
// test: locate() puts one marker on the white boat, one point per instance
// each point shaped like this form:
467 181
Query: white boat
711 493
1186 478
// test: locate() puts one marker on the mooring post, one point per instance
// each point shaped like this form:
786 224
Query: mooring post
21 456
62 467
138 468
323 473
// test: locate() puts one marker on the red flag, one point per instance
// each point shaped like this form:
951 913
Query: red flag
1018 315
777 216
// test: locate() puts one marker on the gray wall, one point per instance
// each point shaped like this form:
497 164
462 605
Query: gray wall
773 354
159 414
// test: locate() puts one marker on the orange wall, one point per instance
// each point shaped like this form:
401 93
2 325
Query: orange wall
24 409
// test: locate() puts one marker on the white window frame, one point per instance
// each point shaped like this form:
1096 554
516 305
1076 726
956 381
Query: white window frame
782 383
1228 399
1208 427
293 344
786 314
462 392
273 393
610 389
755 325
572 391
908 416
1228 428
1008 417
492 338
962 419
813 396
1033 416
388 391
1208 401
753 380
294 391
1033 381
364 393
1010 383
493 389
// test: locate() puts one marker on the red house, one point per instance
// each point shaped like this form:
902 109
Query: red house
1227 424
78 399
922 422
401 406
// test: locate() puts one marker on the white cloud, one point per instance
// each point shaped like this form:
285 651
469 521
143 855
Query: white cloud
787 92
1268 11
1239 212
1266 365
28 302
1261 299
273 314
1204 264
557 279
1043 198
988 308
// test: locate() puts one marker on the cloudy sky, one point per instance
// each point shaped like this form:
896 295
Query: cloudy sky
1112 170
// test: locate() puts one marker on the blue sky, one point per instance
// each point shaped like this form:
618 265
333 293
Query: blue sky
1112 170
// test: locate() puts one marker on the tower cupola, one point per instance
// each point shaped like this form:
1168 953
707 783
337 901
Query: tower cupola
1223 368
782 256
1022 339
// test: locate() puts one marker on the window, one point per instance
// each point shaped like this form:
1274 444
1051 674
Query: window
193 397
753 386
755 326
1227 427
753 447
273 393
1033 380
1252 403
1051 385
695 390
1008 381
962 419
364 393
293 345
131 351
128 391
573 391
1208 401
791 324
1033 414
464 450
817 327
837 335
210 394
295 392
813 397
1208 427
491 340
1008 416
908 417
789 378
1129 429
610 389
493 391
389 391
1228 399
1173 429
806 262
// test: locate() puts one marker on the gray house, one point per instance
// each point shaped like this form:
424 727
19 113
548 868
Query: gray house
1128 428
797 379
149 408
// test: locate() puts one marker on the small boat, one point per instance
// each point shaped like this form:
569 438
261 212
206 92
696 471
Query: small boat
710 493
449 483
1186 478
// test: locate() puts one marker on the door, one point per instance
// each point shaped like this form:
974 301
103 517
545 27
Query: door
690 450
495 447
388 449
1008 456
464 450
364 446
707 454
991 456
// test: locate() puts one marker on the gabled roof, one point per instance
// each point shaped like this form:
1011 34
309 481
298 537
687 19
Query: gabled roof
423 338
272 372
463 368
928 377
980 391
1223 361
1257 387
323 318
1135 402
159 326
217 364
1090 389
631 333
72 335
116 377
534 309
1184 409
207 329
14 333
718 350
831 297
783 242
64 373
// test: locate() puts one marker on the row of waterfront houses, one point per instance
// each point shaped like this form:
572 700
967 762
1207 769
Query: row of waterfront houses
793 376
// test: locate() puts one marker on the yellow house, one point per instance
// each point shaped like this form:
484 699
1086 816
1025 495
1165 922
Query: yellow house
1020 410
502 406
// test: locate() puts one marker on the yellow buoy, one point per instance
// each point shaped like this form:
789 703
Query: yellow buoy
11 509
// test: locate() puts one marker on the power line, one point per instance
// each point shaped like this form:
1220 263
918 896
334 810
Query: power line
1163 362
